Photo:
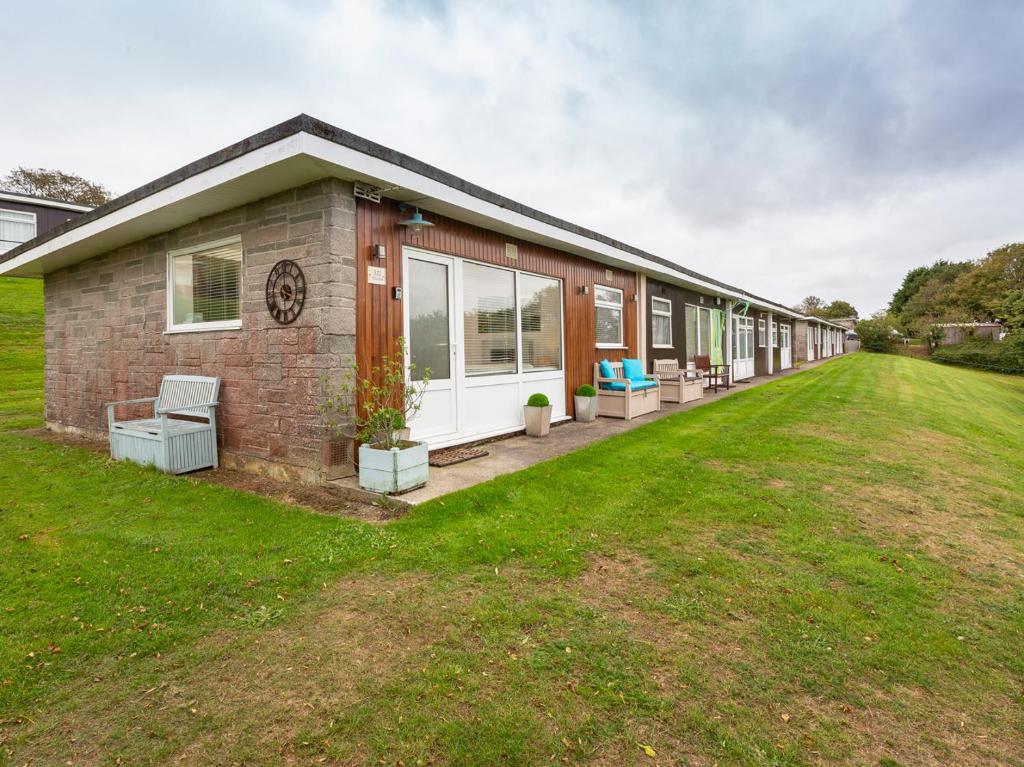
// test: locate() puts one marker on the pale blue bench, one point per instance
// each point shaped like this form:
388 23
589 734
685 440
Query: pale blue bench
172 444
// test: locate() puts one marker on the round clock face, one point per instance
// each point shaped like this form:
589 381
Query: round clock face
286 291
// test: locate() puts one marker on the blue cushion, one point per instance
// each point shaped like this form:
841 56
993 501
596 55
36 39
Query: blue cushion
634 385
633 370
605 368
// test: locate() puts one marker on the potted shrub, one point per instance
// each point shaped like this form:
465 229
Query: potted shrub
585 400
389 462
538 415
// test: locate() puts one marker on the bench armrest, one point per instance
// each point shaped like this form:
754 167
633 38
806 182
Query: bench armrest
132 401
629 383
183 408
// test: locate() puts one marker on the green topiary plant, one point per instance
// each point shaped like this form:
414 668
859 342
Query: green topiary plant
586 390
538 400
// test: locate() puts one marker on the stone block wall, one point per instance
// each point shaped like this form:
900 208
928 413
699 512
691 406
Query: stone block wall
106 319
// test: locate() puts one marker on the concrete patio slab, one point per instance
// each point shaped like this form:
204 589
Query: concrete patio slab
517 452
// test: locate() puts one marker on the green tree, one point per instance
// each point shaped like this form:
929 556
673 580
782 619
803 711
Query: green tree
837 309
56 185
811 305
983 292
876 334
916 279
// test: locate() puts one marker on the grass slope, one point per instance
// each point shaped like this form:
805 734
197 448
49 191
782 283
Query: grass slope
823 570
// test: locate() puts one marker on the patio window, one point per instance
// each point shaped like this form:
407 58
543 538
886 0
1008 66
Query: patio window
760 333
489 319
699 335
661 323
608 316
540 322
205 286
16 227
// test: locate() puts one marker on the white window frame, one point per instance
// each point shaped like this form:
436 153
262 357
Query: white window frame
661 313
621 307
35 227
762 335
775 335
198 327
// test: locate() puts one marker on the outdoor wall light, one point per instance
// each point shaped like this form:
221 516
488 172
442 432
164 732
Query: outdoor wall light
415 222
584 289
379 251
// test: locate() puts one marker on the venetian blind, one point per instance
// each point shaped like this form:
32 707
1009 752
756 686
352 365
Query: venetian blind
489 319
540 307
207 285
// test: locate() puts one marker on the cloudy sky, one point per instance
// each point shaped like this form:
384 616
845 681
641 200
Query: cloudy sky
790 148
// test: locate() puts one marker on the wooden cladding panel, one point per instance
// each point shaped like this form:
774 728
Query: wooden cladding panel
379 320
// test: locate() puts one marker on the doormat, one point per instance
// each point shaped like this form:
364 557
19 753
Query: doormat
451 455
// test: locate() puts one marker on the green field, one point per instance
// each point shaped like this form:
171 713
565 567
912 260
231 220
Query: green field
828 569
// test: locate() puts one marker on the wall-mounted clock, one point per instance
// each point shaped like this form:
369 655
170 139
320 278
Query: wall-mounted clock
286 291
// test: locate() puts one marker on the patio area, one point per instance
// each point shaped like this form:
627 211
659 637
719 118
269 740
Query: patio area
508 454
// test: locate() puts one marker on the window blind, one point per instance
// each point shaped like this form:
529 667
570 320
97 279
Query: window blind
207 285
540 307
489 319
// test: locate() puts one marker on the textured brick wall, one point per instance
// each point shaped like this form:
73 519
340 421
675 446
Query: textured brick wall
105 322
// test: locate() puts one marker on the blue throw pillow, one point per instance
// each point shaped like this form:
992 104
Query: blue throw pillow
605 368
633 369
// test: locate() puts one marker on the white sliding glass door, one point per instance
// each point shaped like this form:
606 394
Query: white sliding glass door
505 342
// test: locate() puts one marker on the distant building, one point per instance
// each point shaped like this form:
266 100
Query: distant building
847 322
23 217
958 332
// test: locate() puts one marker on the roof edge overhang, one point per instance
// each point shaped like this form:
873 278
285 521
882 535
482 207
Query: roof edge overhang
43 202
302 150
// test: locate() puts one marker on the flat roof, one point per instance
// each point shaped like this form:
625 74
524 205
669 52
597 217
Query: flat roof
304 149
44 202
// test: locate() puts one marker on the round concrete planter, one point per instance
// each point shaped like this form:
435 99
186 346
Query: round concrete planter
538 420
586 408
397 470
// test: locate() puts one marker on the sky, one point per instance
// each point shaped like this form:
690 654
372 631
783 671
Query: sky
789 148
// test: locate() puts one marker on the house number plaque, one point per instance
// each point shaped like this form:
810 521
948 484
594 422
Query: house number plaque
286 291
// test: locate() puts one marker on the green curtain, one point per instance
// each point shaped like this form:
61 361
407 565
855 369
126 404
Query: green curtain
717 327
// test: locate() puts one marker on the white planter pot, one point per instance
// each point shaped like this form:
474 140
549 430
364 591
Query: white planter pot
538 420
586 408
393 471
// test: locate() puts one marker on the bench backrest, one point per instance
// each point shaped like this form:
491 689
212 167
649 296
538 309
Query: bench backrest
616 369
666 367
178 392
702 362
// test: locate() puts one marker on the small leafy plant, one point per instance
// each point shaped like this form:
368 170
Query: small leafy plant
538 400
586 390
388 400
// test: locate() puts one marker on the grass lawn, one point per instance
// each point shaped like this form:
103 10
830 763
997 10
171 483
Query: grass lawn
828 569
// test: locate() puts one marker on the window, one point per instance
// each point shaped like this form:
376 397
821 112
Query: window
205 286
784 337
429 328
608 316
701 337
775 334
16 227
661 323
540 322
489 319
760 333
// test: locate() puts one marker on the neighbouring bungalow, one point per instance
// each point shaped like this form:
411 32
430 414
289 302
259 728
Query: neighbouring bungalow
300 251
24 217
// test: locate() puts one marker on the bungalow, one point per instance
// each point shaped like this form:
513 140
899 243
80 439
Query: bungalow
25 216
295 253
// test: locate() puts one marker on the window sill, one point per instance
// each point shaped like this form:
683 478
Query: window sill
662 346
206 327
610 346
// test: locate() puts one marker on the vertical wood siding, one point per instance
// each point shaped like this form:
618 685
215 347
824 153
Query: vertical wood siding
379 320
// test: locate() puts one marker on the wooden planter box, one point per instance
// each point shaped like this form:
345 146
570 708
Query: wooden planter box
397 470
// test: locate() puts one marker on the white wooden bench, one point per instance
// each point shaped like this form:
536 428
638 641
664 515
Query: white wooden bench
618 397
678 384
172 444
